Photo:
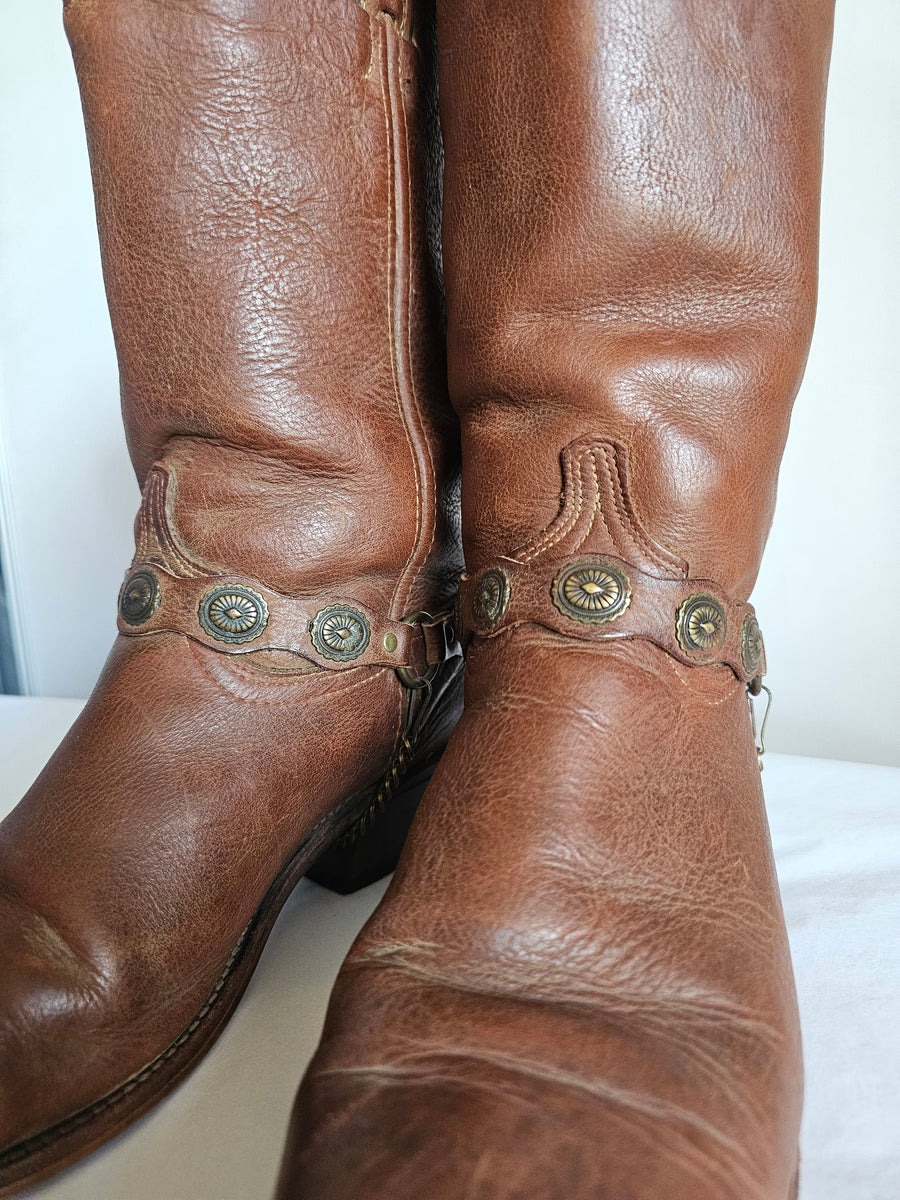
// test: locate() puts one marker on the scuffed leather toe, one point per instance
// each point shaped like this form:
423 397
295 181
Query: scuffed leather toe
440 1135
44 982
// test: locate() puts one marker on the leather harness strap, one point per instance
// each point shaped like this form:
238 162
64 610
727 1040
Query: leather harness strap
232 614
603 598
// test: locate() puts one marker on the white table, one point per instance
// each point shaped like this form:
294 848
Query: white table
836 828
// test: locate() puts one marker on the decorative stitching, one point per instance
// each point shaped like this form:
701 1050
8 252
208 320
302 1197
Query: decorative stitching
626 534
600 513
573 491
155 542
621 484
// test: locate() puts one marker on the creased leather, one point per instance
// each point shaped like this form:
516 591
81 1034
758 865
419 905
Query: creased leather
578 983
256 165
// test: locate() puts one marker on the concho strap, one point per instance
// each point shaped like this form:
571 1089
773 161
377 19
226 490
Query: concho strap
595 574
604 598
168 591
230 613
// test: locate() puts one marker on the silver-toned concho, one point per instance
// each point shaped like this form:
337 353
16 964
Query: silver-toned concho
491 599
592 591
234 614
139 597
339 632
752 646
701 625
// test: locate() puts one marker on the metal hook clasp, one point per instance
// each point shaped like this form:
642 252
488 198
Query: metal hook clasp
417 682
760 739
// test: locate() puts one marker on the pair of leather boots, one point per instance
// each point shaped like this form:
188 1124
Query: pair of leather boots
578 983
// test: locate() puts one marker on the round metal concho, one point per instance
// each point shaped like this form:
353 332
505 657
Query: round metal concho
139 597
491 599
751 644
592 591
339 632
701 625
233 614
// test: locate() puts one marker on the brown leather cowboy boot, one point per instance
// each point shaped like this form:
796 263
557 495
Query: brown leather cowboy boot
259 172
578 984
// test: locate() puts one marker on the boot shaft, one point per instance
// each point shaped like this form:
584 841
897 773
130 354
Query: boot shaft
259 173
630 230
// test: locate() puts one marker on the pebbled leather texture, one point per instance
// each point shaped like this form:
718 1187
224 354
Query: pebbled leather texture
259 173
578 983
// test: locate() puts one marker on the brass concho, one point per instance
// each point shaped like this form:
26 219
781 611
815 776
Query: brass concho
233 614
339 632
701 625
491 599
751 644
139 597
592 591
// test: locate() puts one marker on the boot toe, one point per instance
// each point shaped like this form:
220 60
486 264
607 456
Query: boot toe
467 1128
48 997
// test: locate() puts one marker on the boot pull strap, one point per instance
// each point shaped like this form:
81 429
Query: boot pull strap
234 615
601 598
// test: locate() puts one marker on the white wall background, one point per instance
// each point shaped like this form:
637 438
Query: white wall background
828 595
68 493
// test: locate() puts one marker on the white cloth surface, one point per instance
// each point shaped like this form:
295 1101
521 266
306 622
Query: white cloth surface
836 831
